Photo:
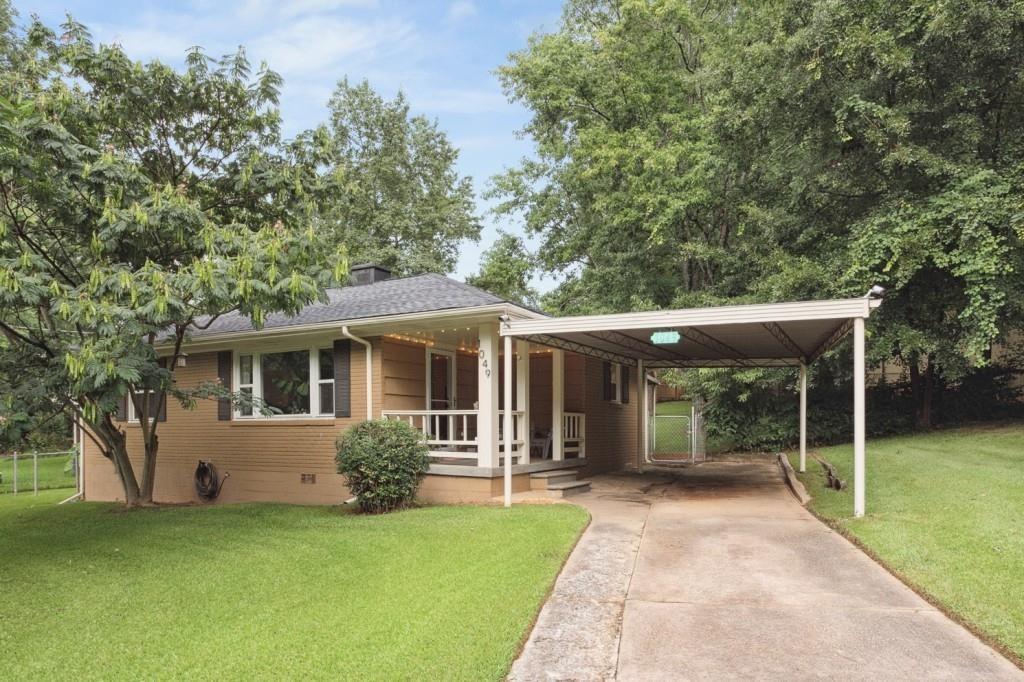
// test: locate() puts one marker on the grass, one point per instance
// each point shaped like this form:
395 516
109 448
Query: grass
945 511
54 472
88 590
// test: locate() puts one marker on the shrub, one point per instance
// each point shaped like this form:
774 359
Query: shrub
383 462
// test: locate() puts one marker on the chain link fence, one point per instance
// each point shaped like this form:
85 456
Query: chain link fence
30 472
677 433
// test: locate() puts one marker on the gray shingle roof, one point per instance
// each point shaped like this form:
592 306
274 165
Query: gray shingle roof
418 294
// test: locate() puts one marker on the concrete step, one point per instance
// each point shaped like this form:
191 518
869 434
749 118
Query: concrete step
568 488
543 480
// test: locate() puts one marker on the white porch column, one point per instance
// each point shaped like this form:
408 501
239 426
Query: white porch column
487 397
557 403
523 396
803 417
507 426
858 416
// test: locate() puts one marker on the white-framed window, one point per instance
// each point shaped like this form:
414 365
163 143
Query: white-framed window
140 395
246 376
325 381
616 383
296 382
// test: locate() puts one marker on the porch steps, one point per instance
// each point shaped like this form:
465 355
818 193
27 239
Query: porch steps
558 482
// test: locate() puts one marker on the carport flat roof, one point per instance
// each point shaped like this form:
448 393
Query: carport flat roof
759 335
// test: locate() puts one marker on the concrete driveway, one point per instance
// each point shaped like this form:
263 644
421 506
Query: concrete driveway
717 572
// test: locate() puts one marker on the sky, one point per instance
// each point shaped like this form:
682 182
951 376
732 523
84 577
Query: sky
441 53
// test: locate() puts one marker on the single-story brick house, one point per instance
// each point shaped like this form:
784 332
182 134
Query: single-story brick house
423 349
435 353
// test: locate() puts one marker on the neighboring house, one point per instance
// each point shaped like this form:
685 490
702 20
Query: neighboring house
421 349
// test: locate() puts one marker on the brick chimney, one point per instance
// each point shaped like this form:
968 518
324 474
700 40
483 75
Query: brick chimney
368 273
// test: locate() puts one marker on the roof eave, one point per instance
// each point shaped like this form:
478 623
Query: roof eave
358 324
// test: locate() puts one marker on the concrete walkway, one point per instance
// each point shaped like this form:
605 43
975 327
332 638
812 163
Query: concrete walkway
717 572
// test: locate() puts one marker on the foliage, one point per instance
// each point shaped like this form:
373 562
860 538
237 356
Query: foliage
758 409
943 511
383 462
360 597
506 270
623 189
390 190
696 152
138 201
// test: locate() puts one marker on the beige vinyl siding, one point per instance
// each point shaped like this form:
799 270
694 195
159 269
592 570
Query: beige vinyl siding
405 371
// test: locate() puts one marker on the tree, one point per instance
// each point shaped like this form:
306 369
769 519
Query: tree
630 201
888 149
391 191
506 269
137 203
696 152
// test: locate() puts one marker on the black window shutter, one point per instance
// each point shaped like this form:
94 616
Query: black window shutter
122 409
606 380
224 374
342 380
625 384
161 415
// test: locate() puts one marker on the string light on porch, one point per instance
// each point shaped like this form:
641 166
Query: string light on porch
410 339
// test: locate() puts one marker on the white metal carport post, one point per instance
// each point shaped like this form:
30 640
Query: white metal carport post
858 416
803 417
507 425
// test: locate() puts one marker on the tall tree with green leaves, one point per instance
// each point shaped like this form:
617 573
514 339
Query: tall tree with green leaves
506 270
633 205
391 190
888 149
689 152
136 203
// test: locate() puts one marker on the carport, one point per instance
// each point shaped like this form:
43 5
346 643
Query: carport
762 335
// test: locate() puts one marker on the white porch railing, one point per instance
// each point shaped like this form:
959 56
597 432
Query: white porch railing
449 433
517 430
453 433
574 434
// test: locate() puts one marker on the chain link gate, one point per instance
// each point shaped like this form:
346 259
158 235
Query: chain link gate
677 438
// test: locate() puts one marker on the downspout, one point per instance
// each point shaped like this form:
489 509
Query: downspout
369 368
78 445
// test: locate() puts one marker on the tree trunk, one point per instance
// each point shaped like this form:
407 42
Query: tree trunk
924 417
922 388
118 453
149 468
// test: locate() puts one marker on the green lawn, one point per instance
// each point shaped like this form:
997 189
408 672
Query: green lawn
268 591
945 511
54 472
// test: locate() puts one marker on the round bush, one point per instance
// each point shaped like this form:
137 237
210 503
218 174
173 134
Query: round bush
383 462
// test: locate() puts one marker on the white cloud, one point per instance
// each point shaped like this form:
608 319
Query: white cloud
311 44
296 8
459 10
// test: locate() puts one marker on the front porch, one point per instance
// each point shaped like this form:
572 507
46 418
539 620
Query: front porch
449 383
454 439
